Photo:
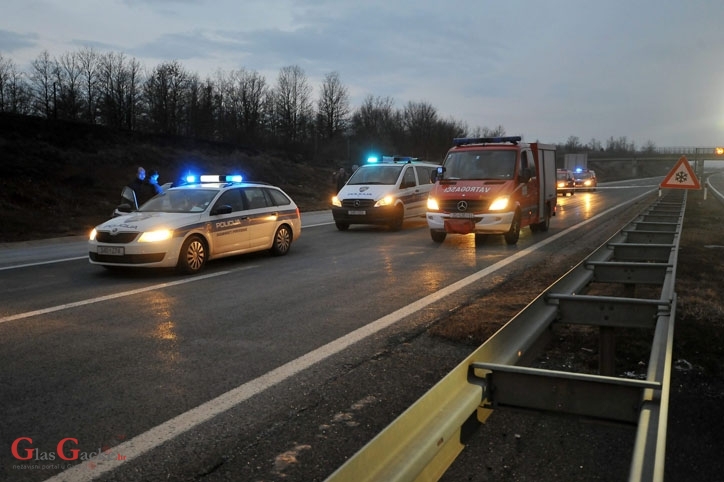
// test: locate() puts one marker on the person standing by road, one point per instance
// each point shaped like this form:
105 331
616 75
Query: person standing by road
137 183
153 182
340 178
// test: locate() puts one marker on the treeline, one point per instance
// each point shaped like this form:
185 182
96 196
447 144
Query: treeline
240 106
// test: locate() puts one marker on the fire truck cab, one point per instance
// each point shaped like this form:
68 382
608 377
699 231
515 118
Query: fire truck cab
493 186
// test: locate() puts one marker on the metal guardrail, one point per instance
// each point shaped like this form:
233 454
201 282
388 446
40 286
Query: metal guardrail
424 441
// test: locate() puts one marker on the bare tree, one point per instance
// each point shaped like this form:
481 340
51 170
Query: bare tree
89 65
333 107
573 144
420 120
595 145
43 85
164 92
68 79
374 124
293 104
14 95
649 147
253 91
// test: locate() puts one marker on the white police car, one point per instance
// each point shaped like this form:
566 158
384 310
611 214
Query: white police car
188 225
384 192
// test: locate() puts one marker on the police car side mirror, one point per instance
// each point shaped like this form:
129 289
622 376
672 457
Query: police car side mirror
223 209
124 208
437 174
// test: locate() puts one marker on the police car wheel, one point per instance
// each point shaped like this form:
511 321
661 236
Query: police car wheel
399 218
438 236
282 241
193 255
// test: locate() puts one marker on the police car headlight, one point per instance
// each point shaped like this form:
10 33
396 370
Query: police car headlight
93 234
336 202
385 201
432 204
155 236
499 204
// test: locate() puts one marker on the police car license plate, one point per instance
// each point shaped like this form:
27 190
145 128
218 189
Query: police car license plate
461 215
356 213
111 250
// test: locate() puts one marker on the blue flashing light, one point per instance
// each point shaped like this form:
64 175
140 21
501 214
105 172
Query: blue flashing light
578 169
191 179
461 141
221 178
373 159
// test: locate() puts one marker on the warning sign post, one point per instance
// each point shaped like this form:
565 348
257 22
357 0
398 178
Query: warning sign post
681 177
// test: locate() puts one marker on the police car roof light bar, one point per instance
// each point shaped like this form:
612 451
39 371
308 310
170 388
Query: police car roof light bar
220 178
461 141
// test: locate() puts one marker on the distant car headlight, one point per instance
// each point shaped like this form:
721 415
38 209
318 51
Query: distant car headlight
432 204
587 182
336 202
561 184
93 235
155 236
385 201
499 204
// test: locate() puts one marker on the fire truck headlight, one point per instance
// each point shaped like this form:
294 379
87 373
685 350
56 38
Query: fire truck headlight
432 204
385 201
155 236
336 202
499 204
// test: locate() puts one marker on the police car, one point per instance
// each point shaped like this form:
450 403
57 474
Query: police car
188 225
384 193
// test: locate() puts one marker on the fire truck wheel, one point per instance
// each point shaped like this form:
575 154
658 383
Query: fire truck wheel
511 237
438 236
543 225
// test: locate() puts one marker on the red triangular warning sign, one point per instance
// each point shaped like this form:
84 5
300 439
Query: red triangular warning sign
681 176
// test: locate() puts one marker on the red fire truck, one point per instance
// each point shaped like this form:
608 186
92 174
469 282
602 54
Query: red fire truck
493 186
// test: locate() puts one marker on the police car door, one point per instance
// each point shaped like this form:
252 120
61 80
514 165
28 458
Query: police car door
410 192
262 222
229 231
424 186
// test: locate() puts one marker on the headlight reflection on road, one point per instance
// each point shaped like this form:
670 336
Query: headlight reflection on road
164 328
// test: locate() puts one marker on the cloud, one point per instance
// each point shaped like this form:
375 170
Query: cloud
12 41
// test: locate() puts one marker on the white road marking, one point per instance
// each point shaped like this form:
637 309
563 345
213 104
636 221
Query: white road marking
43 262
28 314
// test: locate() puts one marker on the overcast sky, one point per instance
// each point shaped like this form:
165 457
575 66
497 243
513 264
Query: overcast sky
649 70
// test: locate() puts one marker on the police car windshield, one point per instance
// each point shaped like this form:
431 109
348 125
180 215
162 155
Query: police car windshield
489 164
184 200
377 174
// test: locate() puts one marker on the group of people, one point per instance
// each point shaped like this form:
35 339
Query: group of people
144 186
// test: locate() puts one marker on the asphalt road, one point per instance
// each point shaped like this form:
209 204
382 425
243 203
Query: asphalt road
126 363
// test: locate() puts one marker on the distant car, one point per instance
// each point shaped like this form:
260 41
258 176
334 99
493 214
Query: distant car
585 180
565 182
386 193
188 225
